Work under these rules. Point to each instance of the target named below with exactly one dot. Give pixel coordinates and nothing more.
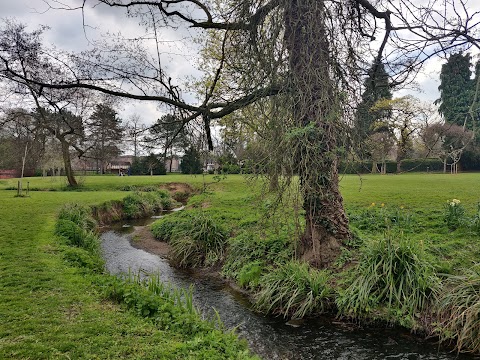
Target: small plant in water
(454, 214)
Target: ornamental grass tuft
(294, 289)
(458, 308)
(394, 276)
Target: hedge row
(407, 165)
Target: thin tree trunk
(68, 164)
(314, 109)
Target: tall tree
(456, 90)
(191, 163)
(57, 112)
(106, 135)
(303, 54)
(376, 87)
(170, 133)
(135, 131)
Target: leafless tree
(305, 55)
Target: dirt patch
(142, 238)
(180, 192)
(178, 187)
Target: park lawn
(49, 309)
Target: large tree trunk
(67, 163)
(315, 110)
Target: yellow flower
(373, 204)
(402, 207)
(382, 205)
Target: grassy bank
(399, 221)
(51, 309)
(407, 246)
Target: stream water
(270, 337)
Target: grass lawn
(49, 309)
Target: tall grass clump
(294, 289)
(77, 226)
(250, 253)
(81, 215)
(172, 309)
(196, 238)
(139, 204)
(458, 307)
(394, 281)
(166, 228)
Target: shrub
(77, 236)
(475, 222)
(458, 306)
(294, 289)
(424, 165)
(83, 259)
(395, 275)
(149, 297)
(164, 228)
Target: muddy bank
(142, 238)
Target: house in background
(173, 164)
(120, 165)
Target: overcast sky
(67, 32)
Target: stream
(270, 337)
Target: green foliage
(150, 297)
(456, 89)
(376, 87)
(364, 167)
(81, 215)
(148, 165)
(294, 289)
(196, 238)
(140, 204)
(164, 228)
(379, 217)
(83, 259)
(77, 236)
(454, 214)
(249, 247)
(172, 309)
(393, 275)
(424, 165)
(249, 275)
(191, 162)
(458, 306)
(229, 168)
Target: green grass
(50, 309)
(55, 310)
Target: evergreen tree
(456, 90)
(191, 162)
(376, 88)
(148, 165)
(106, 134)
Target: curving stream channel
(270, 337)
